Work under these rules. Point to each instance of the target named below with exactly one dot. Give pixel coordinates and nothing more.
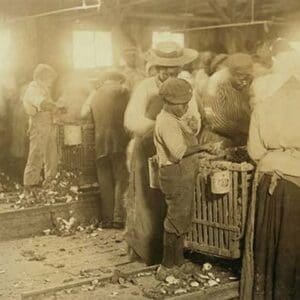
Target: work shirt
(108, 105)
(274, 137)
(171, 138)
(34, 95)
(226, 114)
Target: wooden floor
(65, 267)
(62, 259)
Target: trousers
(177, 182)
(42, 149)
(113, 180)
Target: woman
(271, 266)
(225, 103)
(145, 206)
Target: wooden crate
(80, 158)
(219, 219)
(23, 223)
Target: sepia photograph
(150, 149)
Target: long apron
(146, 208)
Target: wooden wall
(49, 40)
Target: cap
(176, 91)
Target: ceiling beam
(233, 25)
(173, 17)
(135, 3)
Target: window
(163, 36)
(92, 49)
(295, 45)
(5, 48)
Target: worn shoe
(163, 272)
(106, 224)
(29, 199)
(118, 225)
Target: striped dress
(226, 116)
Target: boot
(167, 266)
(29, 195)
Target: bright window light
(92, 49)
(5, 48)
(164, 36)
(295, 45)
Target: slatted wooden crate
(78, 158)
(219, 219)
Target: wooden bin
(219, 219)
(78, 158)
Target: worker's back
(108, 106)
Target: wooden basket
(219, 219)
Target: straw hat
(170, 54)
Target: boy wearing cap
(175, 143)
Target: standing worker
(145, 206)
(271, 261)
(42, 149)
(175, 146)
(225, 103)
(107, 105)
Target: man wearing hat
(177, 169)
(145, 206)
(225, 104)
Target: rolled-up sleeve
(194, 112)
(134, 119)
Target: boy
(40, 108)
(175, 143)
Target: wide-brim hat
(170, 54)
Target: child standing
(175, 143)
(40, 108)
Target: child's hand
(212, 147)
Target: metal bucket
(72, 135)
